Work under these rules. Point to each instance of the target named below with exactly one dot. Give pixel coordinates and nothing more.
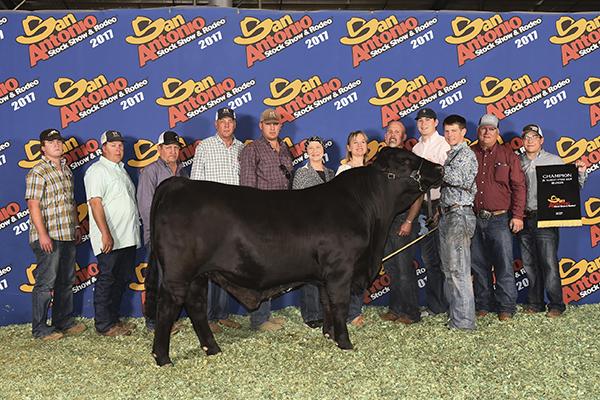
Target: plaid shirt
(53, 188)
(262, 167)
(216, 162)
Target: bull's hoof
(211, 351)
(345, 345)
(163, 361)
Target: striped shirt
(216, 162)
(263, 168)
(53, 188)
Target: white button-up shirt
(434, 149)
(110, 182)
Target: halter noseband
(415, 175)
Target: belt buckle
(485, 214)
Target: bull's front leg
(339, 297)
(167, 312)
(196, 305)
(327, 316)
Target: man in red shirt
(500, 207)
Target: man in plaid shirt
(216, 160)
(53, 235)
(266, 164)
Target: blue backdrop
(327, 73)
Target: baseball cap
(313, 139)
(426, 113)
(225, 113)
(50, 134)
(111, 136)
(532, 128)
(488, 120)
(270, 115)
(168, 137)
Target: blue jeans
(539, 247)
(404, 290)
(456, 229)
(430, 253)
(492, 245)
(115, 270)
(312, 310)
(260, 315)
(55, 272)
(218, 302)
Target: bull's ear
(381, 159)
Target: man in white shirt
(433, 147)
(114, 232)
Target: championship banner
(327, 73)
(558, 196)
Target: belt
(485, 214)
(446, 210)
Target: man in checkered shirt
(216, 160)
(53, 235)
(266, 164)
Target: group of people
(487, 195)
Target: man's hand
(107, 242)
(516, 225)
(45, 243)
(580, 166)
(405, 228)
(77, 235)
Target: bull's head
(400, 164)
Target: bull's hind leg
(339, 298)
(195, 304)
(167, 312)
(327, 317)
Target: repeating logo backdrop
(327, 73)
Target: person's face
(426, 126)
(52, 148)
(532, 142)
(315, 152)
(358, 145)
(454, 134)
(168, 152)
(225, 127)
(487, 135)
(395, 134)
(270, 130)
(113, 151)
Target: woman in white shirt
(356, 156)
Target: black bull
(256, 244)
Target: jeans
(115, 270)
(430, 253)
(492, 246)
(312, 310)
(539, 248)
(218, 302)
(404, 290)
(54, 279)
(261, 314)
(456, 229)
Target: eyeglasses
(531, 138)
(285, 171)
